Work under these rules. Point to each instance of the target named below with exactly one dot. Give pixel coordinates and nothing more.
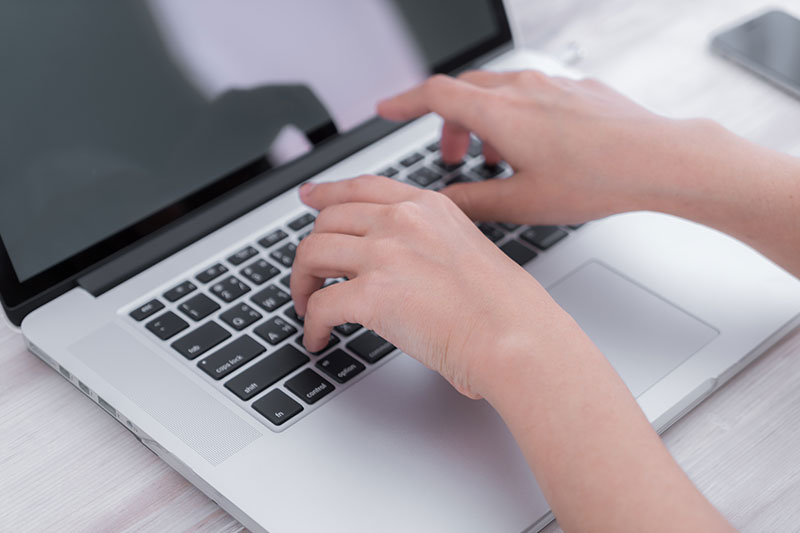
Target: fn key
(277, 407)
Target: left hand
(420, 274)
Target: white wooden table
(67, 466)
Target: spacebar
(266, 372)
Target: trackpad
(642, 335)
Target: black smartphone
(768, 45)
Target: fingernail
(306, 188)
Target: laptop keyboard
(233, 321)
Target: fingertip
(305, 191)
(313, 344)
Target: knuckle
(531, 77)
(369, 181)
(315, 303)
(369, 178)
(434, 199)
(405, 212)
(436, 83)
(307, 248)
(592, 83)
(323, 219)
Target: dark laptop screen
(113, 111)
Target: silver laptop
(149, 216)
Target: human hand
(420, 274)
(579, 149)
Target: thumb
(486, 201)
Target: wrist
(735, 186)
(509, 367)
(712, 176)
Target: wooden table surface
(67, 466)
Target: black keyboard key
(309, 386)
(303, 236)
(286, 279)
(273, 238)
(576, 226)
(240, 316)
(266, 372)
(201, 340)
(332, 341)
(389, 172)
(475, 147)
(543, 236)
(411, 159)
(518, 252)
(277, 407)
(370, 347)
(488, 171)
(508, 227)
(285, 254)
(148, 309)
(448, 167)
(260, 272)
(176, 293)
(340, 366)
(231, 357)
(493, 233)
(424, 176)
(275, 330)
(460, 178)
(229, 289)
(291, 313)
(271, 298)
(347, 329)
(198, 307)
(167, 325)
(242, 255)
(302, 221)
(211, 273)
(433, 147)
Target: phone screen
(769, 44)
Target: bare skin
(422, 275)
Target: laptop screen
(114, 112)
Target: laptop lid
(125, 120)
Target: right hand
(580, 150)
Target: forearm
(594, 454)
(749, 192)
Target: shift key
(266, 372)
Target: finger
(354, 218)
(454, 100)
(368, 189)
(491, 155)
(336, 304)
(486, 201)
(321, 256)
(488, 79)
(454, 143)
(455, 139)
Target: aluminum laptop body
(677, 308)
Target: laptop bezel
(21, 297)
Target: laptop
(149, 216)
